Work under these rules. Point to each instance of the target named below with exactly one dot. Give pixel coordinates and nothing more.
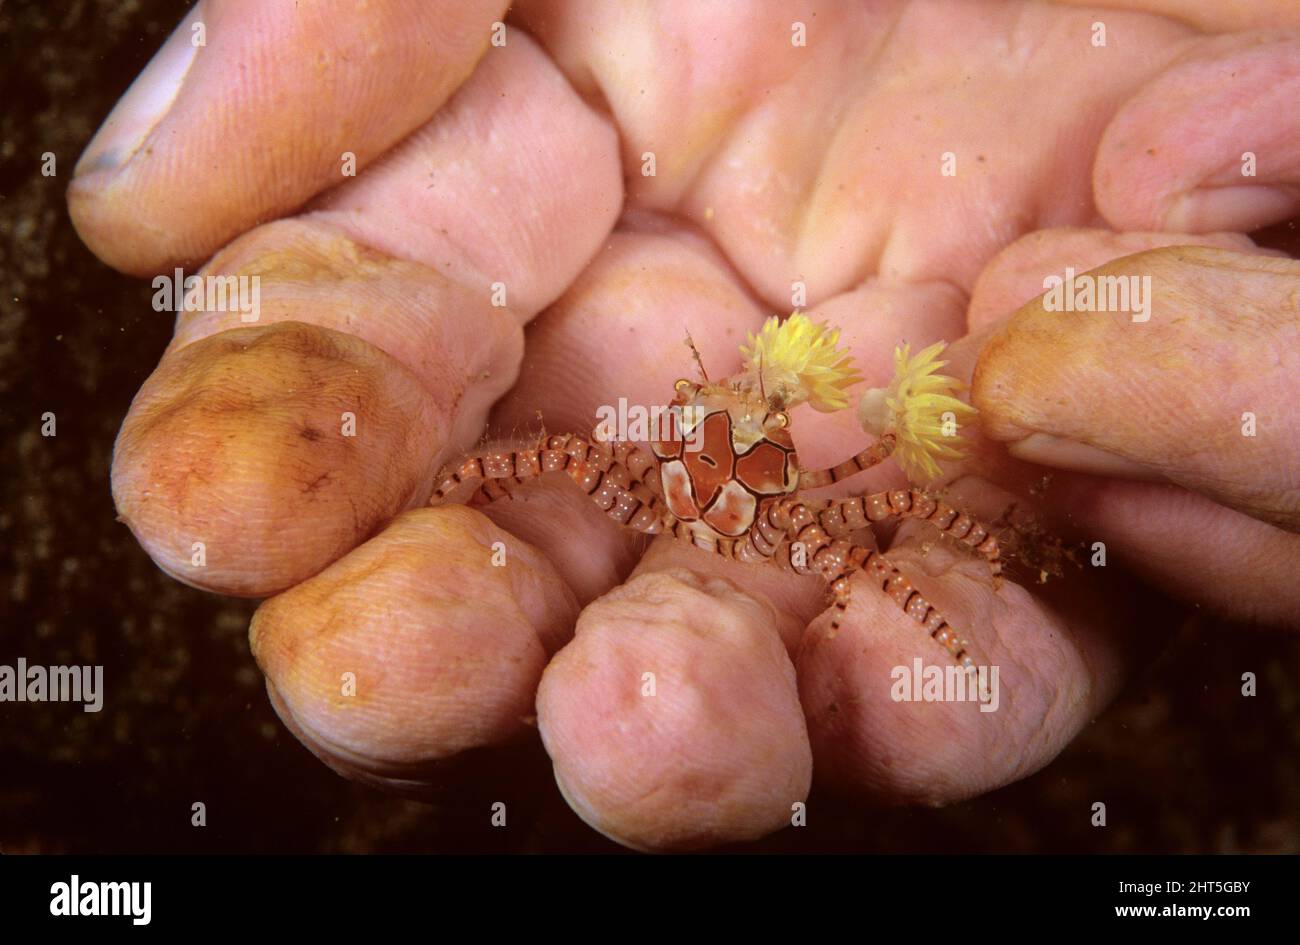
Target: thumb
(1192, 380)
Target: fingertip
(424, 643)
(1021, 271)
(253, 458)
(673, 719)
(249, 109)
(892, 717)
(1173, 378)
(1207, 144)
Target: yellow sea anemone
(797, 360)
(913, 408)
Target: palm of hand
(777, 169)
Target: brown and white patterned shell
(719, 462)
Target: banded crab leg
(623, 504)
(618, 478)
(493, 489)
(841, 516)
(563, 453)
(790, 532)
(873, 455)
(836, 559)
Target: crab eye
(782, 419)
(682, 384)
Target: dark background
(1182, 761)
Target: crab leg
(876, 453)
(893, 582)
(618, 479)
(627, 501)
(493, 489)
(567, 453)
(842, 516)
(810, 550)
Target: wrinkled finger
(251, 108)
(1188, 545)
(1191, 381)
(384, 663)
(1211, 143)
(278, 446)
(1023, 270)
(673, 718)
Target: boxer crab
(725, 476)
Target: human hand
(774, 164)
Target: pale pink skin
(774, 163)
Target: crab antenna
(699, 361)
(761, 391)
